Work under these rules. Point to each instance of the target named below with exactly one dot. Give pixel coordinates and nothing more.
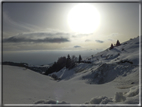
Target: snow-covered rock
(133, 91)
(119, 97)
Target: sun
(84, 18)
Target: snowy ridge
(115, 61)
(111, 78)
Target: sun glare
(84, 18)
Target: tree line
(62, 62)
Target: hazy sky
(31, 28)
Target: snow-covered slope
(104, 81)
(128, 50)
(107, 65)
(21, 85)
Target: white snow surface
(104, 81)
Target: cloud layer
(45, 40)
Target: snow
(51, 102)
(39, 66)
(119, 97)
(99, 100)
(24, 86)
(133, 91)
(104, 81)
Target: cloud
(80, 35)
(45, 40)
(114, 34)
(43, 34)
(77, 46)
(110, 39)
(74, 36)
(30, 29)
(99, 41)
(87, 40)
(39, 37)
(9, 22)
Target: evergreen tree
(74, 59)
(61, 63)
(56, 66)
(80, 58)
(118, 43)
(111, 47)
(69, 56)
(68, 62)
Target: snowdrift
(130, 97)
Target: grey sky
(44, 26)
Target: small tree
(80, 58)
(118, 43)
(69, 56)
(61, 63)
(74, 58)
(111, 47)
(72, 62)
(68, 62)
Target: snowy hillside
(108, 64)
(111, 78)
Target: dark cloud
(45, 40)
(43, 34)
(99, 41)
(77, 46)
